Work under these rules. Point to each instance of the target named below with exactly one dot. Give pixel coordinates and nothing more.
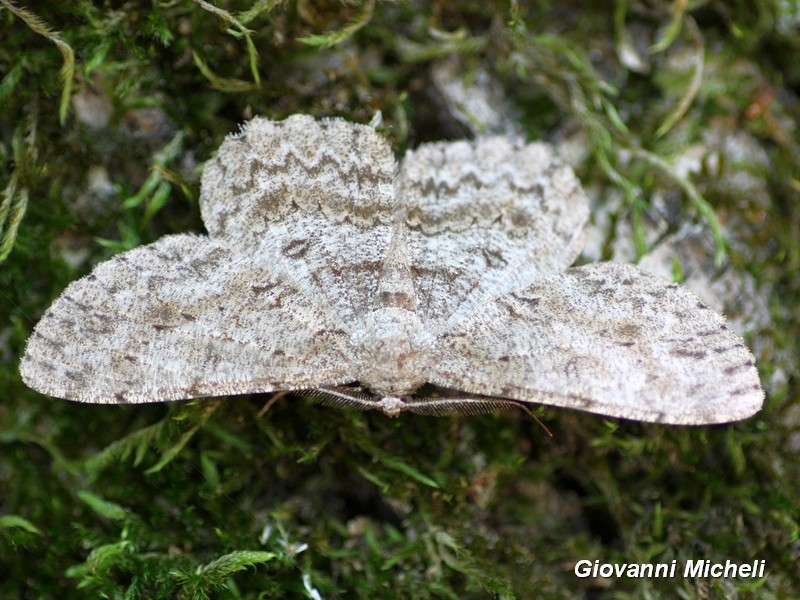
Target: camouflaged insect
(437, 285)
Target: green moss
(210, 499)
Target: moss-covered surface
(104, 127)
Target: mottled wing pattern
(315, 196)
(608, 339)
(182, 318)
(310, 232)
(486, 217)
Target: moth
(440, 284)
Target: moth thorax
(393, 349)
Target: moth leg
(268, 404)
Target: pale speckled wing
(484, 218)
(315, 196)
(182, 318)
(608, 339)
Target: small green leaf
(331, 38)
(215, 574)
(407, 469)
(102, 507)
(15, 521)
